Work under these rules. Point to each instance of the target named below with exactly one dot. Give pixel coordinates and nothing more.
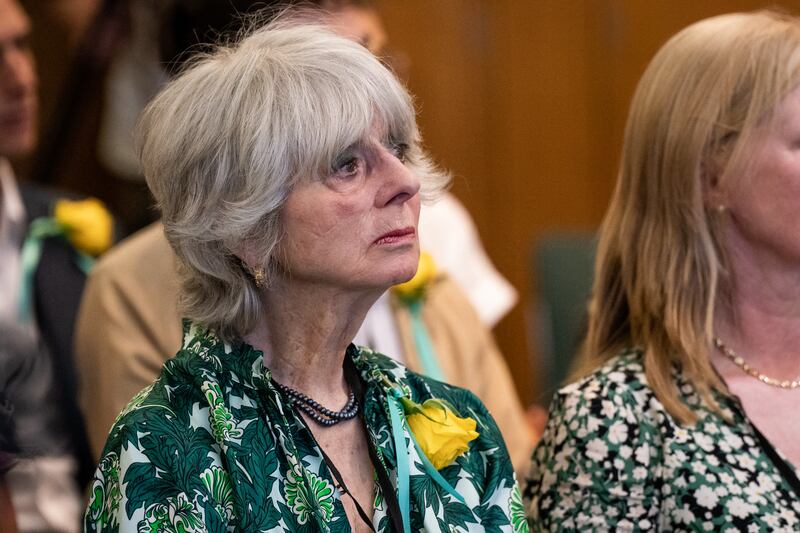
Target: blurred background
(524, 100)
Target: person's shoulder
(175, 385)
(164, 407)
(462, 399)
(422, 387)
(616, 391)
(204, 371)
(202, 357)
(39, 200)
(621, 375)
(602, 449)
(151, 403)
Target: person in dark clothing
(43, 265)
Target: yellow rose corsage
(88, 227)
(88, 224)
(442, 435)
(439, 435)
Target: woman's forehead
(377, 133)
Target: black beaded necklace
(317, 412)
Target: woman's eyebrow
(352, 147)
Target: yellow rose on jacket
(88, 223)
(441, 434)
(415, 287)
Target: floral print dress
(213, 446)
(613, 459)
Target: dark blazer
(31, 422)
(57, 287)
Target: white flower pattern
(624, 464)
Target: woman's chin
(395, 278)
(406, 273)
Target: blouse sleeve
(156, 472)
(598, 464)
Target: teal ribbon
(397, 416)
(437, 477)
(422, 342)
(39, 230)
(403, 472)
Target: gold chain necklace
(750, 371)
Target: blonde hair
(223, 144)
(660, 270)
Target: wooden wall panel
(542, 140)
(524, 100)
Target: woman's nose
(399, 183)
(18, 75)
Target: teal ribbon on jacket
(422, 342)
(398, 420)
(39, 230)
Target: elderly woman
(685, 418)
(289, 173)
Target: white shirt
(12, 232)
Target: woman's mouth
(398, 236)
(17, 119)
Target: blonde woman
(685, 415)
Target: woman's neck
(762, 321)
(304, 335)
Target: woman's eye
(346, 166)
(400, 150)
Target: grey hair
(223, 144)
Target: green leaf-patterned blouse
(613, 459)
(213, 446)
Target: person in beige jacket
(128, 325)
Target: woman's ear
(714, 195)
(245, 252)
(251, 263)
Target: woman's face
(357, 227)
(764, 204)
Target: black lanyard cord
(344, 490)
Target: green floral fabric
(213, 446)
(613, 459)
